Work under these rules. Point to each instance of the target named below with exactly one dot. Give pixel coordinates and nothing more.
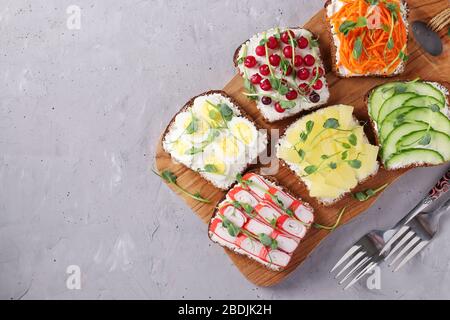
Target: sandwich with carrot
(369, 36)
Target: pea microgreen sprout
(273, 197)
(335, 225)
(369, 193)
(171, 178)
(234, 231)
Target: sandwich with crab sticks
(261, 220)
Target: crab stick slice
(267, 212)
(236, 216)
(218, 230)
(258, 186)
(300, 210)
(257, 249)
(216, 227)
(243, 244)
(243, 196)
(284, 198)
(291, 226)
(285, 243)
(287, 224)
(278, 258)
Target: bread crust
(328, 204)
(374, 128)
(189, 104)
(333, 50)
(285, 189)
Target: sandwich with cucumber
(411, 122)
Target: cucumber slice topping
(380, 94)
(390, 144)
(411, 123)
(392, 120)
(436, 120)
(426, 139)
(423, 101)
(409, 157)
(393, 103)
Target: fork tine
(348, 254)
(411, 254)
(408, 246)
(356, 258)
(393, 239)
(400, 244)
(366, 269)
(356, 268)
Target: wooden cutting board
(346, 91)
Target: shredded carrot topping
(366, 48)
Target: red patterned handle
(441, 186)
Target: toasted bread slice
(411, 123)
(213, 136)
(282, 84)
(329, 152)
(333, 6)
(260, 219)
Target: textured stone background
(81, 111)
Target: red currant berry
(287, 51)
(279, 108)
(288, 71)
(266, 100)
(272, 43)
(291, 95)
(304, 88)
(260, 51)
(302, 42)
(314, 97)
(298, 61)
(265, 85)
(309, 60)
(317, 70)
(318, 85)
(285, 36)
(264, 70)
(250, 61)
(303, 73)
(256, 78)
(274, 60)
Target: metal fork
(375, 246)
(421, 229)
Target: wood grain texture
(347, 91)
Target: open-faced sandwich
(261, 220)
(213, 136)
(282, 72)
(369, 36)
(411, 122)
(329, 151)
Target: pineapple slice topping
(329, 151)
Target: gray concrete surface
(81, 111)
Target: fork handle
(440, 188)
